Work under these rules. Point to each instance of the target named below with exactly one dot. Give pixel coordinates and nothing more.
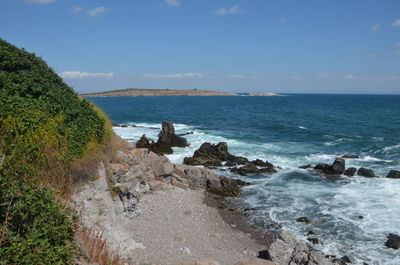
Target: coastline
(174, 212)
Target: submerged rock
(350, 156)
(303, 220)
(251, 169)
(393, 241)
(313, 240)
(306, 166)
(365, 172)
(394, 174)
(350, 172)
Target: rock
(161, 166)
(321, 167)
(287, 250)
(252, 170)
(340, 261)
(350, 156)
(168, 137)
(311, 232)
(121, 157)
(394, 174)
(201, 262)
(350, 172)
(209, 155)
(313, 240)
(360, 217)
(257, 261)
(303, 220)
(159, 149)
(365, 172)
(224, 186)
(306, 166)
(337, 168)
(393, 241)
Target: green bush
(44, 127)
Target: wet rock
(340, 261)
(253, 170)
(306, 166)
(303, 220)
(311, 232)
(360, 217)
(350, 172)
(213, 155)
(365, 172)
(394, 174)
(168, 137)
(393, 241)
(337, 168)
(313, 240)
(350, 156)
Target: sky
(283, 46)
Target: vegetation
(47, 134)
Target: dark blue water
(291, 131)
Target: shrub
(45, 127)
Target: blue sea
(291, 131)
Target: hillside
(47, 136)
(134, 92)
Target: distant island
(135, 92)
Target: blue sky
(298, 46)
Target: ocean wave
(393, 147)
(302, 127)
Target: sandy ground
(168, 227)
(176, 226)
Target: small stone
(303, 220)
(393, 241)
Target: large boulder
(210, 155)
(394, 174)
(393, 241)
(365, 172)
(251, 169)
(337, 168)
(168, 137)
(166, 140)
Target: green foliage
(44, 127)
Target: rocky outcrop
(394, 174)
(393, 241)
(287, 250)
(166, 140)
(365, 172)
(213, 155)
(337, 168)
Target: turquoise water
(291, 131)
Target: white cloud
(82, 75)
(283, 20)
(77, 9)
(325, 75)
(396, 23)
(376, 27)
(97, 11)
(240, 76)
(371, 55)
(349, 77)
(228, 10)
(40, 2)
(175, 3)
(172, 76)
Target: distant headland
(135, 92)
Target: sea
(351, 215)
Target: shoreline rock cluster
(211, 155)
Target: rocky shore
(154, 212)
